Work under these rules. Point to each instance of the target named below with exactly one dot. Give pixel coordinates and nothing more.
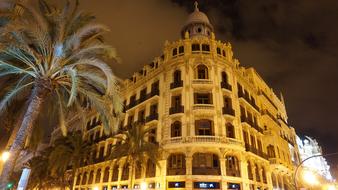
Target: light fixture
(96, 188)
(310, 178)
(5, 155)
(143, 186)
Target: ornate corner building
(219, 124)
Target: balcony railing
(203, 139)
(203, 106)
(228, 111)
(152, 117)
(225, 85)
(202, 81)
(247, 98)
(179, 109)
(266, 112)
(176, 84)
(205, 171)
(176, 171)
(142, 99)
(256, 151)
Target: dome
(197, 24)
(197, 17)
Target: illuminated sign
(176, 184)
(234, 186)
(206, 185)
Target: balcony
(176, 171)
(202, 84)
(203, 139)
(203, 107)
(142, 99)
(225, 85)
(152, 117)
(205, 171)
(270, 116)
(248, 100)
(176, 84)
(254, 150)
(228, 111)
(174, 110)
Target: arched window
(91, 177)
(204, 127)
(224, 77)
(78, 179)
(250, 174)
(115, 173)
(151, 169)
(264, 175)
(271, 151)
(232, 166)
(274, 181)
(202, 72)
(205, 164)
(106, 174)
(176, 129)
(84, 179)
(138, 170)
(230, 130)
(125, 172)
(98, 176)
(258, 176)
(177, 76)
(176, 164)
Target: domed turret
(197, 24)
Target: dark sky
(292, 44)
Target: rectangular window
(203, 98)
(143, 94)
(181, 50)
(219, 51)
(227, 103)
(141, 115)
(174, 51)
(195, 47)
(152, 136)
(176, 101)
(253, 141)
(153, 109)
(205, 47)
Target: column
(244, 173)
(188, 183)
(163, 173)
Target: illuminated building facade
(220, 124)
(309, 147)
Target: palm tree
(56, 55)
(67, 152)
(134, 148)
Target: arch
(258, 176)
(249, 167)
(232, 166)
(151, 169)
(91, 177)
(264, 175)
(125, 172)
(84, 179)
(98, 176)
(176, 129)
(78, 179)
(106, 174)
(115, 175)
(202, 72)
(176, 164)
(205, 164)
(204, 127)
(230, 131)
(224, 77)
(177, 76)
(138, 170)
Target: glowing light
(5, 155)
(310, 178)
(331, 187)
(96, 188)
(143, 186)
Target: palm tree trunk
(33, 109)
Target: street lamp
(300, 164)
(96, 188)
(310, 178)
(4, 156)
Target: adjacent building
(220, 124)
(309, 147)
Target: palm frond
(10, 95)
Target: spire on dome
(196, 6)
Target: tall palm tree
(67, 152)
(134, 148)
(56, 55)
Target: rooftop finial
(196, 6)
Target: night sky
(293, 45)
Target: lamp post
(301, 163)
